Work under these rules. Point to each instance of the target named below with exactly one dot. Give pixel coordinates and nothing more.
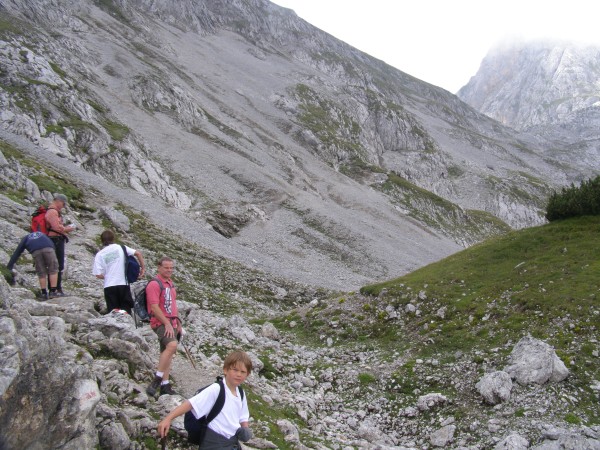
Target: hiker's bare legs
(166, 358)
(53, 280)
(43, 283)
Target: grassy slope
(543, 281)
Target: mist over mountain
(548, 89)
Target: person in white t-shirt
(109, 265)
(230, 426)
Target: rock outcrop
(546, 88)
(534, 361)
(48, 377)
(495, 387)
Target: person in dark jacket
(41, 248)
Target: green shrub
(575, 201)
(366, 378)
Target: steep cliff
(549, 89)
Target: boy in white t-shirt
(231, 425)
(109, 265)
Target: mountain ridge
(274, 134)
(547, 88)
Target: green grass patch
(508, 286)
(116, 130)
(268, 415)
(55, 184)
(61, 73)
(366, 378)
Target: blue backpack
(196, 428)
(132, 267)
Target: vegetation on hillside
(574, 201)
(541, 281)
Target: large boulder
(47, 393)
(534, 361)
(495, 387)
(117, 218)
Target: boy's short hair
(237, 357)
(107, 237)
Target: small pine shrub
(575, 201)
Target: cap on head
(61, 197)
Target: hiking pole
(163, 443)
(187, 352)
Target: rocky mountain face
(549, 89)
(250, 122)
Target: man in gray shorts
(41, 248)
(162, 306)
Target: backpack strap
(219, 403)
(160, 285)
(126, 262)
(63, 235)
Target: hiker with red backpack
(57, 232)
(46, 265)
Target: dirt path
(187, 379)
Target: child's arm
(165, 424)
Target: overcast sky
(443, 41)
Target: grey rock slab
(495, 387)
(534, 361)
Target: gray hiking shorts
(45, 262)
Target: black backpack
(196, 428)
(140, 306)
(132, 267)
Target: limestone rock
(57, 396)
(495, 387)
(428, 401)
(569, 441)
(442, 437)
(513, 442)
(113, 436)
(534, 361)
(117, 218)
(289, 430)
(269, 331)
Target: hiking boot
(42, 296)
(153, 387)
(167, 389)
(57, 293)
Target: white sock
(160, 374)
(164, 382)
